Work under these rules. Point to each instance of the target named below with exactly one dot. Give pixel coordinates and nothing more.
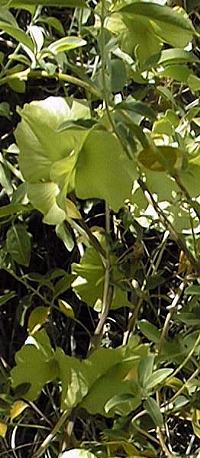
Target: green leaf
(171, 26)
(40, 140)
(17, 408)
(190, 318)
(77, 453)
(5, 109)
(157, 378)
(18, 244)
(64, 234)
(193, 290)
(149, 330)
(12, 209)
(194, 83)
(66, 308)
(145, 370)
(103, 152)
(128, 399)
(89, 281)
(176, 56)
(190, 177)
(64, 3)
(37, 319)
(177, 72)
(17, 85)
(43, 198)
(3, 429)
(163, 126)
(136, 36)
(17, 33)
(66, 44)
(118, 75)
(7, 16)
(73, 377)
(53, 22)
(153, 410)
(6, 297)
(120, 366)
(35, 365)
(136, 106)
(162, 158)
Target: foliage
(100, 214)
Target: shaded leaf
(153, 410)
(18, 244)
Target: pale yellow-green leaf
(37, 318)
(17, 408)
(3, 429)
(66, 308)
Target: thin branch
(28, 74)
(163, 218)
(45, 444)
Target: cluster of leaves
(121, 134)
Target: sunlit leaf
(17, 408)
(35, 365)
(66, 44)
(37, 318)
(157, 377)
(3, 429)
(77, 453)
(115, 172)
(66, 308)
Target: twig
(163, 218)
(173, 308)
(45, 444)
(107, 291)
(28, 74)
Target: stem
(163, 218)
(187, 195)
(103, 78)
(185, 361)
(107, 291)
(25, 74)
(173, 308)
(153, 267)
(23, 282)
(45, 444)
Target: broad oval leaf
(162, 158)
(103, 171)
(168, 23)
